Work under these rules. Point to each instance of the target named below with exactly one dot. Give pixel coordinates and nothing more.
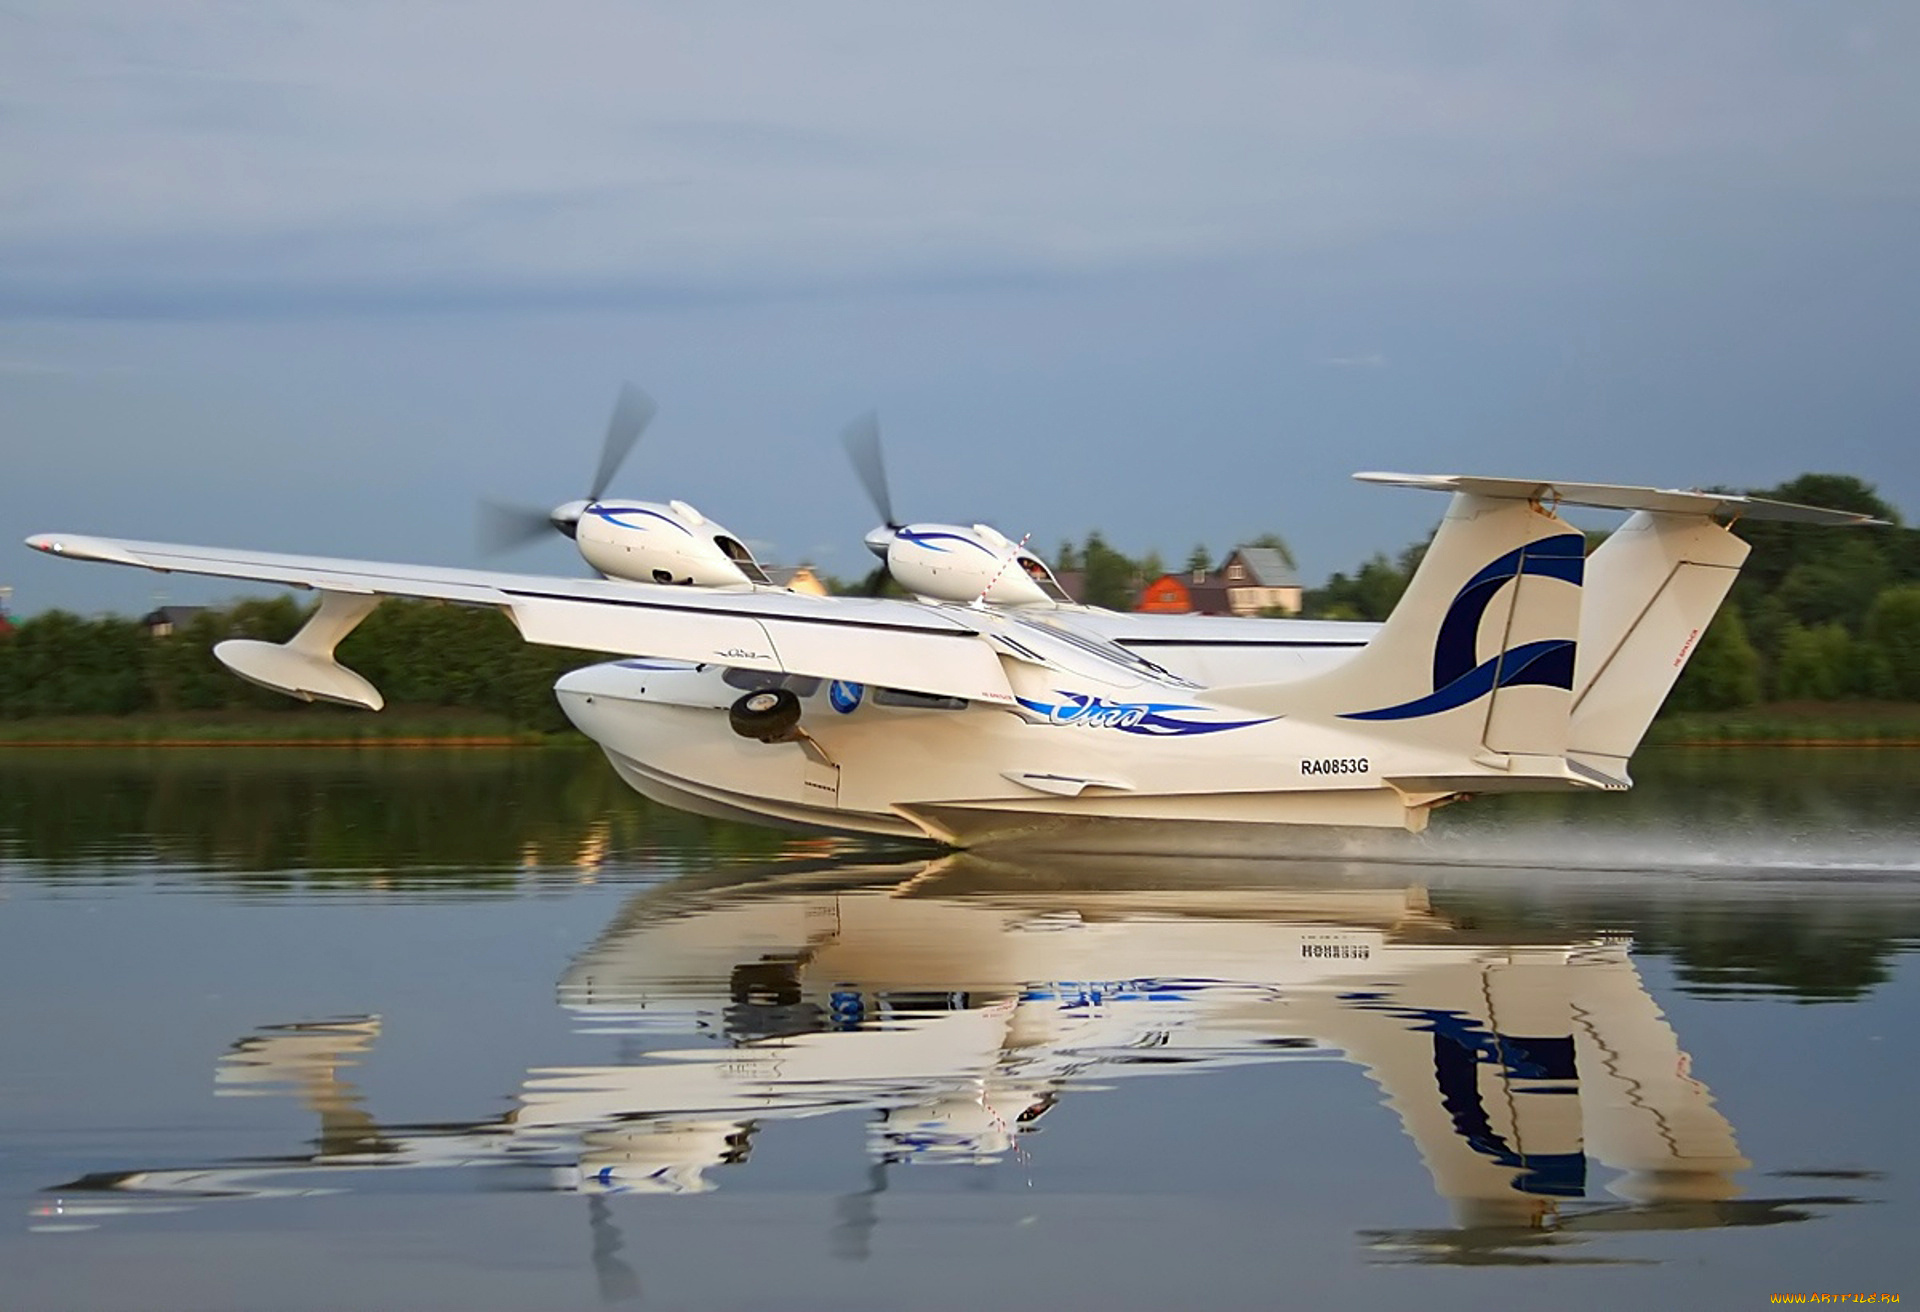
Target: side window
(917, 700)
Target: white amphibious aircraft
(992, 709)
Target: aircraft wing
(889, 643)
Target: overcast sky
(318, 277)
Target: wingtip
(82, 548)
(1433, 482)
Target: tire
(769, 715)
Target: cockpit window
(742, 558)
(1041, 575)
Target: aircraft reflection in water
(960, 1005)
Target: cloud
(194, 153)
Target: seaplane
(988, 708)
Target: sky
(320, 277)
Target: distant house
(1073, 582)
(1170, 594)
(799, 578)
(1259, 579)
(1250, 581)
(162, 621)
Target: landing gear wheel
(769, 716)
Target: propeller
(632, 412)
(862, 440)
(503, 527)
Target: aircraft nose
(605, 680)
(879, 540)
(566, 517)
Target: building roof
(1266, 566)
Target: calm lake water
(409, 1029)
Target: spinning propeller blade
(502, 527)
(631, 415)
(862, 440)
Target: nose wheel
(771, 715)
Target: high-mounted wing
(1619, 496)
(889, 643)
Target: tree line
(418, 653)
(1818, 614)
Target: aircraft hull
(972, 776)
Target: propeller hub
(566, 517)
(880, 539)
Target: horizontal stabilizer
(1617, 496)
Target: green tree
(60, 664)
(1893, 627)
(1815, 664)
(1111, 578)
(1199, 560)
(1819, 574)
(1369, 595)
(1724, 671)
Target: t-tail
(1515, 659)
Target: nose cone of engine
(879, 540)
(566, 518)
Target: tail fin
(1525, 679)
(1479, 655)
(1652, 587)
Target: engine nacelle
(672, 543)
(949, 562)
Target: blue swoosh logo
(1457, 677)
(612, 515)
(1149, 719)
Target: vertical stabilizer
(1479, 655)
(1651, 590)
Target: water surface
(327, 1028)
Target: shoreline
(501, 740)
